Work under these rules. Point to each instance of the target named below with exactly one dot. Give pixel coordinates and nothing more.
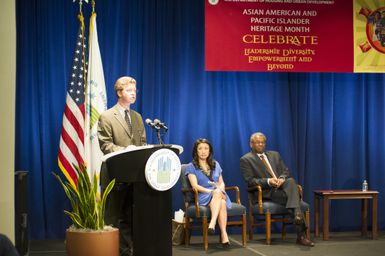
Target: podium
(152, 209)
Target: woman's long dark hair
(210, 159)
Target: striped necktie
(128, 120)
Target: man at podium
(118, 128)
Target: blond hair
(123, 81)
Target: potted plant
(88, 235)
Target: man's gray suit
(255, 172)
(113, 131)
(114, 135)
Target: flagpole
(80, 7)
(81, 4)
(93, 6)
(81, 19)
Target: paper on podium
(131, 148)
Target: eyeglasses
(132, 90)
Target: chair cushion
(275, 208)
(204, 211)
(236, 210)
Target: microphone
(152, 124)
(160, 124)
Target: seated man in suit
(267, 169)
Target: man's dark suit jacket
(255, 172)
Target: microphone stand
(157, 126)
(159, 137)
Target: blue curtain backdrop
(328, 127)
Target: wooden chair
(197, 216)
(264, 212)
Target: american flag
(71, 148)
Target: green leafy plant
(87, 207)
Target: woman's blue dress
(203, 180)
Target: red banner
(279, 35)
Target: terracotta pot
(95, 243)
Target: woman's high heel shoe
(211, 231)
(226, 245)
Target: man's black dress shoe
(302, 240)
(226, 245)
(211, 231)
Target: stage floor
(339, 244)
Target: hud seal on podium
(162, 169)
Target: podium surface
(152, 209)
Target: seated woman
(205, 175)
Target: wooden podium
(152, 209)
